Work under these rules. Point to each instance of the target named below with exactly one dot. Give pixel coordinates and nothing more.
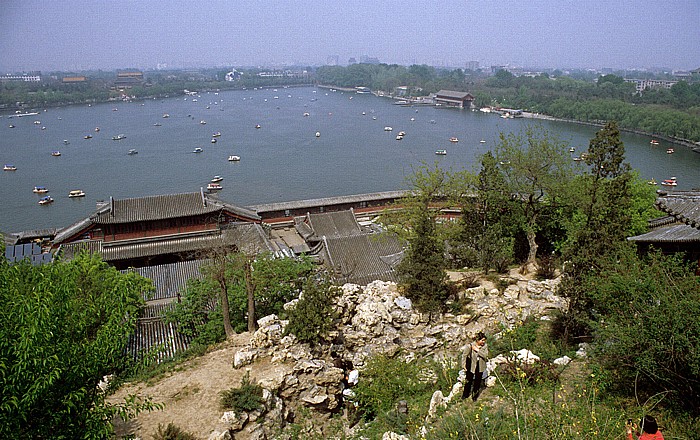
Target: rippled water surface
(283, 160)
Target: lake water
(283, 160)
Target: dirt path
(191, 393)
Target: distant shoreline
(694, 146)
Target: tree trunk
(250, 290)
(224, 308)
(532, 255)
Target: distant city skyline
(75, 35)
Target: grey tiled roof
(248, 237)
(361, 259)
(327, 201)
(669, 234)
(169, 279)
(162, 207)
(683, 205)
(154, 208)
(330, 224)
(452, 94)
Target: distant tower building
(233, 75)
(332, 60)
(352, 60)
(472, 65)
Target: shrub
(172, 432)
(546, 267)
(314, 314)
(247, 397)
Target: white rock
(216, 435)
(436, 402)
(394, 436)
(403, 303)
(490, 381)
(525, 356)
(243, 357)
(234, 420)
(582, 351)
(564, 360)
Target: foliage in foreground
(313, 317)
(247, 397)
(172, 432)
(63, 326)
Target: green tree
(63, 326)
(646, 325)
(313, 317)
(422, 270)
(535, 167)
(601, 222)
(272, 281)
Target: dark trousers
(472, 385)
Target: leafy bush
(313, 316)
(172, 432)
(546, 267)
(247, 397)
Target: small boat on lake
(165, 115)
(40, 190)
(257, 126)
(87, 136)
(45, 200)
(76, 193)
(654, 142)
(217, 134)
(670, 182)
(132, 152)
(318, 134)
(56, 153)
(482, 141)
(213, 140)
(9, 167)
(441, 152)
(399, 137)
(157, 124)
(572, 149)
(65, 142)
(97, 129)
(234, 158)
(670, 151)
(203, 122)
(388, 129)
(214, 187)
(216, 179)
(454, 139)
(197, 150)
(118, 137)
(652, 182)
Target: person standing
(650, 430)
(475, 358)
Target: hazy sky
(92, 34)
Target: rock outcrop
(377, 319)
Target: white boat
(118, 137)
(670, 182)
(318, 134)
(213, 140)
(257, 126)
(399, 137)
(454, 139)
(165, 115)
(307, 114)
(216, 179)
(87, 136)
(214, 187)
(388, 129)
(40, 190)
(234, 158)
(441, 152)
(217, 134)
(203, 122)
(157, 124)
(402, 133)
(670, 151)
(9, 167)
(132, 152)
(76, 193)
(482, 141)
(45, 200)
(572, 149)
(65, 142)
(197, 150)
(56, 153)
